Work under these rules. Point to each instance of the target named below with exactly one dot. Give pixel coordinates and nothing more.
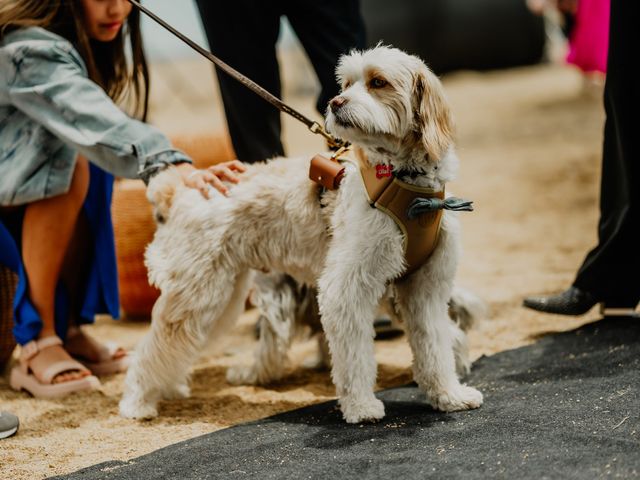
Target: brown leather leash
(312, 125)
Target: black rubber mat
(566, 407)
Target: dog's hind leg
(460, 350)
(422, 300)
(235, 305)
(181, 325)
(277, 297)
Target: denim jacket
(50, 111)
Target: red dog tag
(383, 171)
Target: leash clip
(334, 142)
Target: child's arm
(49, 83)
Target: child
(63, 64)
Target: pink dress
(590, 36)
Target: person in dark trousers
(243, 33)
(610, 274)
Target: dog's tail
(466, 308)
(161, 191)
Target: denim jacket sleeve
(50, 84)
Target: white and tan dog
(393, 108)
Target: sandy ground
(529, 141)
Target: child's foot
(100, 359)
(47, 370)
(81, 345)
(40, 363)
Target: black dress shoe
(385, 328)
(570, 302)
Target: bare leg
(48, 227)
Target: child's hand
(201, 179)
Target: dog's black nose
(336, 103)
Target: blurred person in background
(589, 38)
(610, 273)
(585, 24)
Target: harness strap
(395, 197)
(420, 232)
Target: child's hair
(106, 61)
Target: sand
(529, 140)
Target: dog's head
(390, 101)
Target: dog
(393, 108)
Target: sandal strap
(62, 366)
(31, 349)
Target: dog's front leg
(359, 265)
(347, 312)
(423, 302)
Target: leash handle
(312, 125)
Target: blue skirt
(101, 293)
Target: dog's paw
(354, 411)
(242, 375)
(177, 392)
(460, 397)
(137, 409)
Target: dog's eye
(346, 84)
(377, 83)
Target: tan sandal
(106, 364)
(22, 378)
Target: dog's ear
(432, 116)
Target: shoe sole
(619, 312)
(27, 382)
(8, 433)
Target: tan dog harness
(416, 210)
(394, 197)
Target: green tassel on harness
(425, 205)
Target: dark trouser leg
(326, 30)
(243, 33)
(611, 271)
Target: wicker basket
(134, 226)
(205, 150)
(8, 283)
